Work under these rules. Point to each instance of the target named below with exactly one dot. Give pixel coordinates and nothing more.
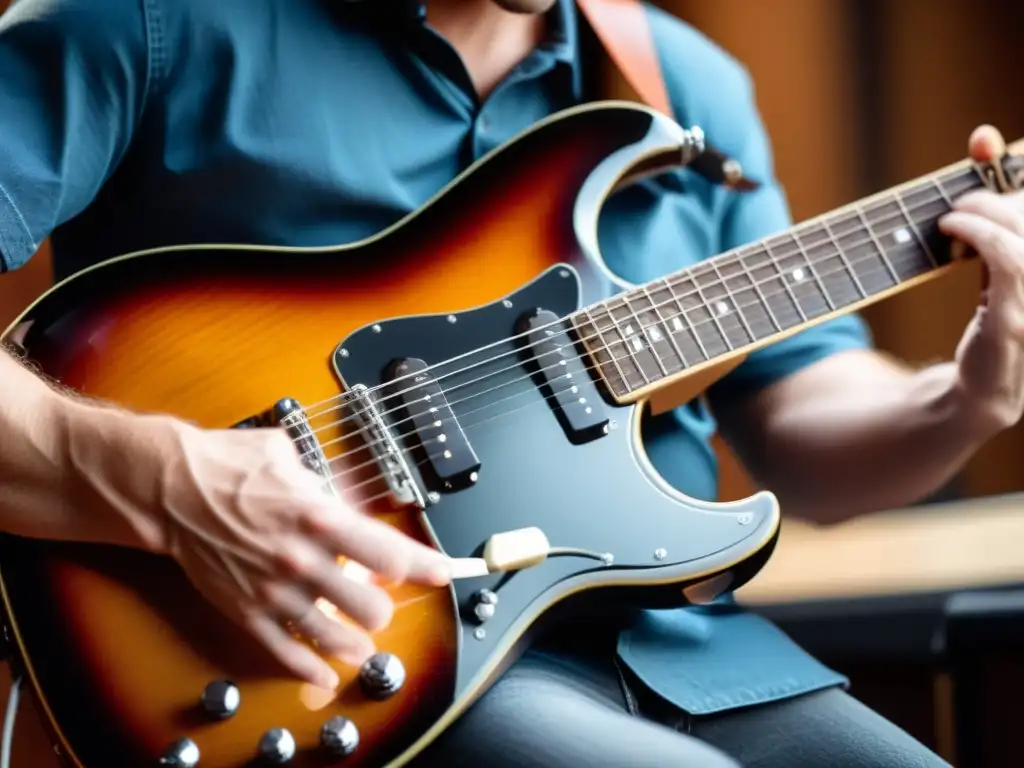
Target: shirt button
(484, 123)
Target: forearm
(884, 438)
(49, 440)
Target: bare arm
(856, 433)
(236, 508)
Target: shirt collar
(563, 41)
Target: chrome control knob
(339, 736)
(484, 604)
(382, 675)
(184, 753)
(277, 747)
(221, 699)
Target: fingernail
(330, 680)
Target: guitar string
(774, 260)
(466, 427)
(734, 257)
(873, 240)
(741, 326)
(691, 325)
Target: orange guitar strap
(632, 72)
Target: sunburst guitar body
(453, 377)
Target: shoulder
(706, 84)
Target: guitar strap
(631, 71)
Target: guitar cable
(10, 714)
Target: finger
(364, 602)
(332, 635)
(1002, 250)
(297, 657)
(381, 548)
(1005, 210)
(986, 144)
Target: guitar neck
(762, 292)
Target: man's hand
(990, 356)
(249, 524)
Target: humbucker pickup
(550, 354)
(450, 457)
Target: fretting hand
(990, 356)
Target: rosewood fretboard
(758, 292)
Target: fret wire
(607, 349)
(625, 345)
(782, 279)
(735, 304)
(711, 311)
(878, 244)
(937, 183)
(968, 174)
(664, 324)
(913, 226)
(757, 287)
(812, 268)
(641, 331)
(846, 262)
(686, 319)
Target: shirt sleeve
(74, 76)
(751, 216)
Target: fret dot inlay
(763, 289)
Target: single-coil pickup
(449, 456)
(548, 351)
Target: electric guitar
(466, 377)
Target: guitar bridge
(385, 449)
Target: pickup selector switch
(382, 675)
(339, 736)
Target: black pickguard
(597, 496)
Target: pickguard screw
(344, 353)
(452, 318)
(433, 497)
(376, 329)
(660, 553)
(506, 304)
(608, 558)
(614, 425)
(745, 518)
(563, 273)
(479, 633)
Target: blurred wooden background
(858, 95)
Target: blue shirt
(133, 124)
